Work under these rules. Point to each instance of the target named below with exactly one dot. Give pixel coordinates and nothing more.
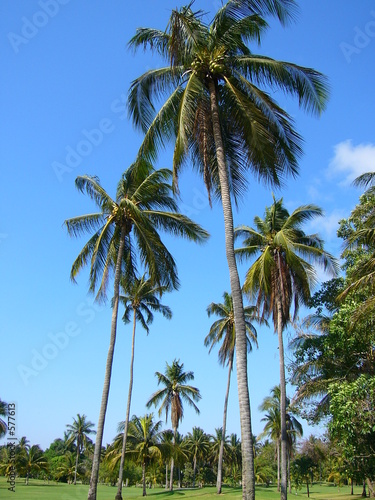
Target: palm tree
(31, 461)
(122, 227)
(144, 437)
(218, 108)
(272, 428)
(3, 413)
(141, 298)
(171, 397)
(198, 443)
(282, 273)
(223, 330)
(79, 432)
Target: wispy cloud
(351, 161)
(328, 225)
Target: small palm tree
(218, 108)
(122, 227)
(141, 299)
(272, 428)
(144, 437)
(31, 461)
(170, 398)
(223, 331)
(79, 433)
(282, 274)
(198, 444)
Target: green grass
(37, 490)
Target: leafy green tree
(122, 228)
(282, 274)
(223, 331)
(141, 298)
(352, 406)
(79, 433)
(218, 110)
(173, 394)
(302, 467)
(198, 444)
(144, 439)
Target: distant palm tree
(272, 428)
(122, 227)
(140, 297)
(223, 331)
(198, 444)
(170, 398)
(214, 99)
(282, 274)
(144, 437)
(78, 432)
(31, 461)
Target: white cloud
(328, 225)
(351, 161)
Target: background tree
(123, 228)
(141, 298)
(31, 462)
(79, 433)
(223, 331)
(282, 274)
(173, 394)
(217, 110)
(198, 444)
(144, 439)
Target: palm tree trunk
(278, 463)
(221, 452)
(144, 479)
(76, 467)
(194, 469)
(248, 480)
(124, 437)
(284, 443)
(166, 476)
(108, 372)
(172, 460)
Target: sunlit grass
(39, 490)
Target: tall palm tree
(141, 299)
(272, 428)
(122, 228)
(144, 437)
(218, 108)
(223, 331)
(282, 274)
(198, 443)
(171, 397)
(79, 432)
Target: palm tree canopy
(257, 134)
(222, 330)
(286, 258)
(175, 392)
(141, 297)
(144, 204)
(79, 431)
(144, 436)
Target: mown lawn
(37, 490)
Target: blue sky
(65, 73)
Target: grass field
(37, 490)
